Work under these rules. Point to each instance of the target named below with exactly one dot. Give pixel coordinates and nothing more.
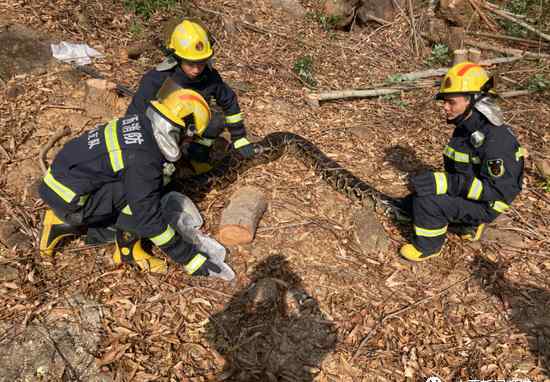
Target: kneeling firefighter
(483, 166)
(115, 175)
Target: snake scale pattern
(272, 147)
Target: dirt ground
(309, 303)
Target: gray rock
(22, 50)
(503, 236)
(57, 348)
(8, 273)
(369, 232)
(292, 7)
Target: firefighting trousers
(432, 215)
(103, 208)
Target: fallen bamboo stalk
(497, 11)
(512, 51)
(314, 100)
(515, 93)
(509, 38)
(44, 150)
(441, 71)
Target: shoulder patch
(495, 167)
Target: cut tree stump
(240, 218)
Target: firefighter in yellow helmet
(188, 64)
(113, 177)
(483, 166)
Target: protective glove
(430, 183)
(210, 266)
(403, 209)
(244, 147)
(198, 153)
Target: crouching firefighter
(483, 166)
(115, 176)
(189, 64)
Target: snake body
(272, 147)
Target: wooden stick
(484, 17)
(511, 51)
(377, 19)
(413, 29)
(509, 38)
(44, 150)
(507, 16)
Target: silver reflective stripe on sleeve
(440, 183)
(61, 190)
(164, 237)
(455, 155)
(195, 263)
(113, 147)
(234, 118)
(499, 206)
(476, 188)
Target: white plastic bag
(80, 54)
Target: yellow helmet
(184, 107)
(465, 78)
(190, 41)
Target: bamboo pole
(497, 11)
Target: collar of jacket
(470, 123)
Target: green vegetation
(146, 8)
(538, 83)
(136, 29)
(440, 55)
(395, 99)
(328, 23)
(395, 78)
(303, 67)
(518, 7)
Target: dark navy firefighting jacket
(123, 150)
(209, 84)
(484, 162)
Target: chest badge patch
(495, 167)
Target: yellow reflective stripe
(440, 183)
(234, 118)
(63, 191)
(164, 237)
(240, 143)
(455, 155)
(520, 153)
(476, 188)
(111, 139)
(499, 206)
(430, 232)
(195, 263)
(126, 210)
(82, 200)
(476, 160)
(204, 141)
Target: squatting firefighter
(189, 65)
(114, 176)
(483, 166)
